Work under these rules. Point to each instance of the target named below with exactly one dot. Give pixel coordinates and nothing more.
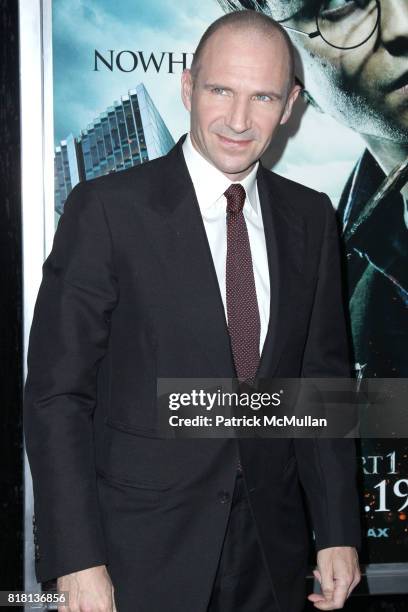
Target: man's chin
(236, 174)
(235, 167)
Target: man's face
(238, 98)
(367, 87)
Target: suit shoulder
(314, 206)
(127, 178)
(300, 194)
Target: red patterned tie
(242, 305)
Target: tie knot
(235, 195)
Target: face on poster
(117, 103)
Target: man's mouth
(401, 83)
(233, 142)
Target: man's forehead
(283, 9)
(225, 38)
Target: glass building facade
(128, 133)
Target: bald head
(254, 24)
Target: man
(356, 71)
(193, 265)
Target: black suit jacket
(129, 293)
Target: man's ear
(309, 99)
(296, 89)
(186, 88)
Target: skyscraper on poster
(128, 133)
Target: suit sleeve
(327, 466)
(68, 338)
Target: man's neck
(389, 154)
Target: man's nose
(394, 26)
(238, 116)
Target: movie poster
(117, 68)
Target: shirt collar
(209, 183)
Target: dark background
(11, 357)
(11, 331)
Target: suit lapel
(201, 303)
(285, 241)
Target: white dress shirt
(210, 184)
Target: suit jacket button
(223, 497)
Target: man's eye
(219, 90)
(336, 9)
(263, 97)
